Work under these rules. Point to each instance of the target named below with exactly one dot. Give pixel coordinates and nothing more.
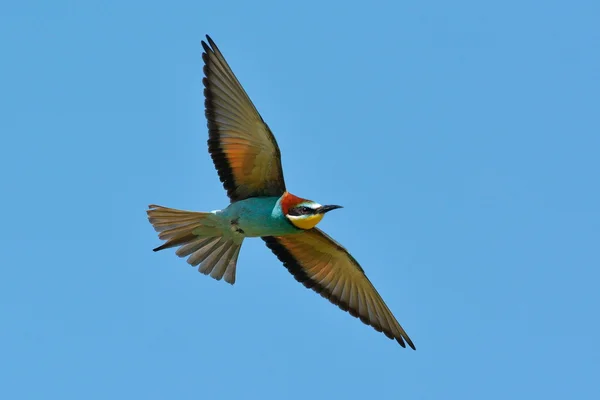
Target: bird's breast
(258, 216)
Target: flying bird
(248, 161)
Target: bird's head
(303, 213)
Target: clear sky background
(462, 137)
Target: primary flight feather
(248, 161)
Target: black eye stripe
(302, 210)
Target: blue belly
(259, 216)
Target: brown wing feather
(320, 263)
(240, 143)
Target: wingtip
(210, 41)
(403, 340)
(409, 342)
(159, 248)
(205, 46)
(210, 46)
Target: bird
(248, 161)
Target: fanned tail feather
(199, 237)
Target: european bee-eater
(248, 161)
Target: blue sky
(461, 137)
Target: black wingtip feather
(205, 46)
(212, 42)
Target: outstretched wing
(240, 143)
(320, 263)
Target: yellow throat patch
(305, 221)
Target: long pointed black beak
(324, 209)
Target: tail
(200, 236)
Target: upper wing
(240, 143)
(322, 264)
